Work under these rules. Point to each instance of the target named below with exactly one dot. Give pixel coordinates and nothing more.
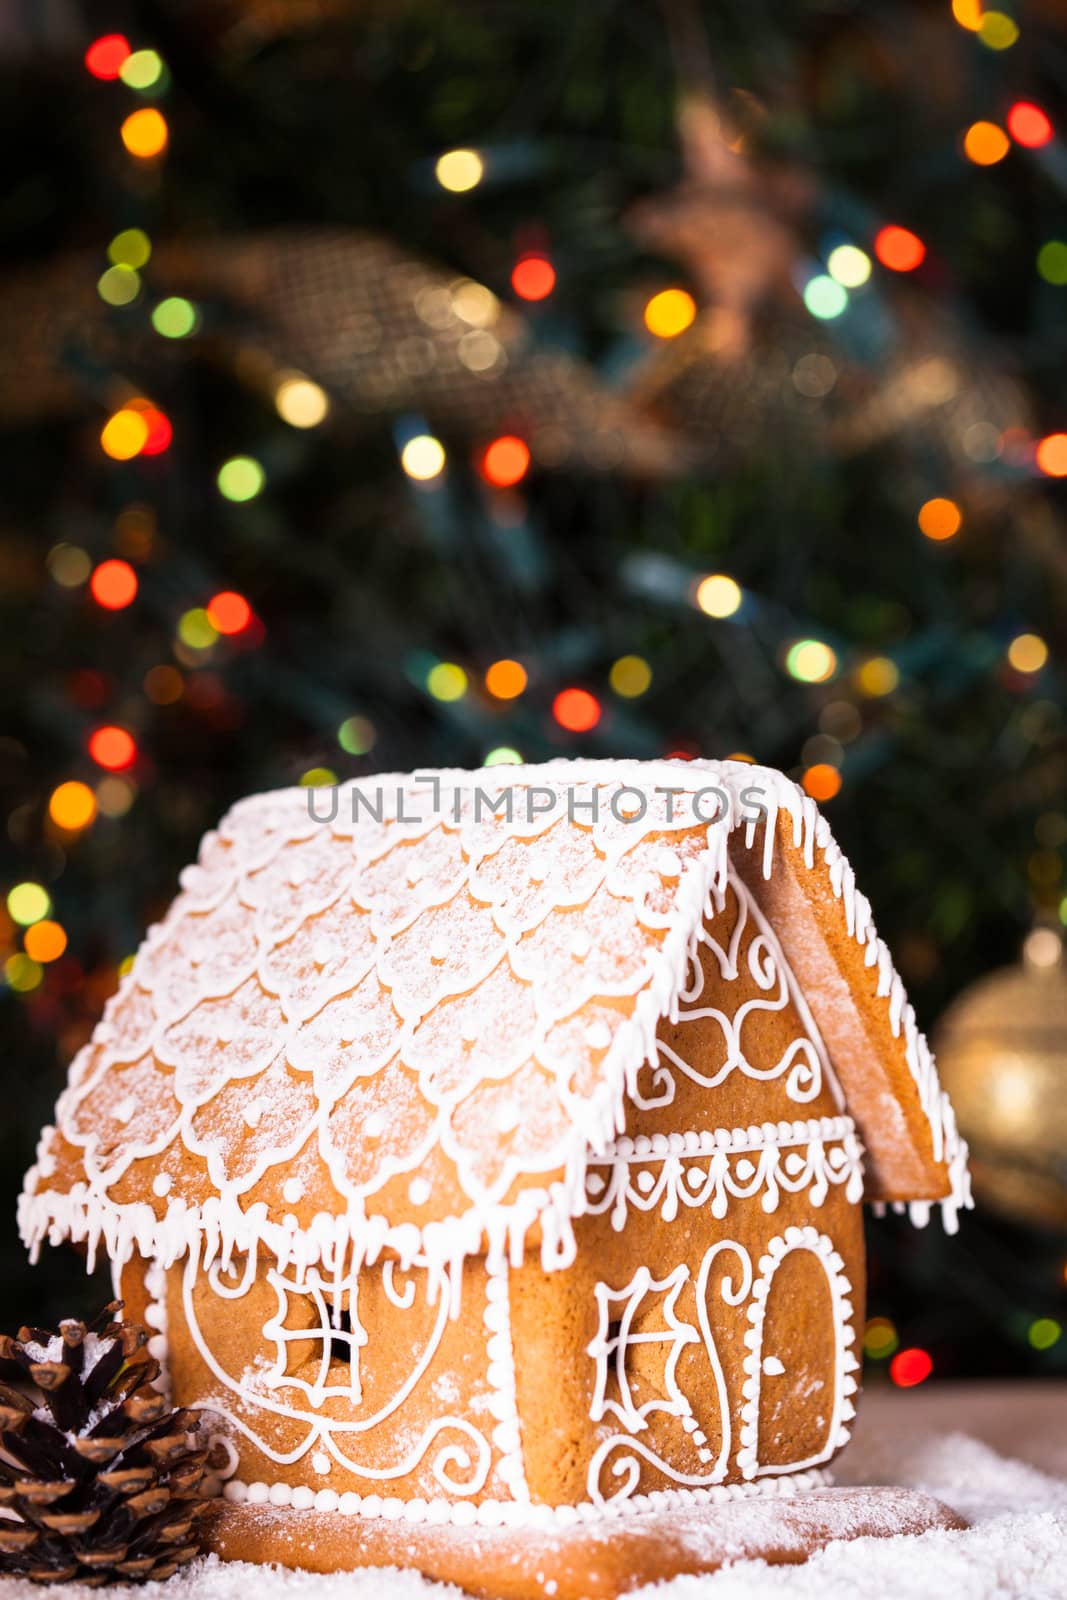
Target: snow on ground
(997, 1455)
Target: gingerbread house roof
(404, 1013)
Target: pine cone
(97, 1480)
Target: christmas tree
(456, 384)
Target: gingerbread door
(800, 1367)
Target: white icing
(155, 1321)
(493, 1004)
(521, 1514)
(503, 1406)
(804, 1065)
(460, 1455)
(478, 936)
(705, 1169)
(615, 1468)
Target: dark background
(724, 149)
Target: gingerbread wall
(422, 1420)
(736, 1138)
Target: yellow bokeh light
(669, 313)
(459, 170)
(880, 1338)
(718, 596)
(1028, 652)
(142, 70)
(22, 972)
(630, 676)
(849, 265)
(877, 677)
(985, 144)
(811, 661)
(72, 806)
(473, 303)
(144, 133)
(300, 402)
(997, 30)
(45, 941)
(69, 565)
(196, 629)
(423, 457)
(118, 286)
(318, 778)
(124, 435)
(130, 248)
(28, 903)
(940, 518)
(503, 756)
(447, 681)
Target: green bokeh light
(241, 478)
(175, 318)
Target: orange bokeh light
(506, 679)
(822, 781)
(106, 56)
(940, 518)
(505, 461)
(229, 612)
(898, 248)
(533, 278)
(1028, 125)
(45, 941)
(123, 435)
(72, 805)
(145, 133)
(113, 585)
(985, 144)
(1052, 455)
(576, 710)
(112, 748)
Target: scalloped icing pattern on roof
(385, 981)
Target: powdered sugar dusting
(437, 966)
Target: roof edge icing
(748, 797)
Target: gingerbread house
(490, 1147)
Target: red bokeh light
(909, 1367)
(160, 432)
(533, 278)
(505, 462)
(113, 585)
(1028, 125)
(576, 710)
(105, 56)
(898, 248)
(112, 748)
(229, 612)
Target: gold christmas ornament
(1002, 1056)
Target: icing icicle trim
(672, 1172)
(270, 869)
(790, 1157)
